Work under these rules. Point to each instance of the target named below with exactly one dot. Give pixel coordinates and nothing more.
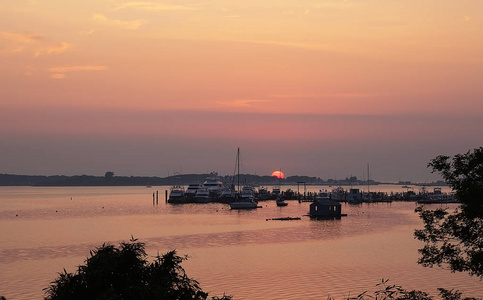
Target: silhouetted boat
(246, 198)
(338, 194)
(202, 195)
(227, 196)
(191, 191)
(263, 194)
(281, 202)
(176, 195)
(354, 196)
(322, 195)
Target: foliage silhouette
(386, 291)
(125, 273)
(109, 175)
(456, 239)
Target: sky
(312, 87)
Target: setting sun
(278, 174)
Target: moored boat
(227, 196)
(322, 195)
(354, 196)
(191, 191)
(176, 194)
(262, 194)
(202, 195)
(246, 198)
(338, 194)
(281, 202)
(213, 185)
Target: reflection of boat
(176, 194)
(246, 198)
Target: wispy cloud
(293, 96)
(318, 47)
(151, 6)
(77, 68)
(87, 32)
(57, 76)
(350, 95)
(28, 38)
(334, 4)
(59, 72)
(31, 42)
(133, 25)
(54, 49)
(242, 102)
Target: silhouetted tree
(109, 175)
(124, 273)
(456, 239)
(388, 291)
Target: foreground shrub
(125, 273)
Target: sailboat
(244, 200)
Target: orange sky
(332, 84)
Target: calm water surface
(43, 230)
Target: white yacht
(213, 185)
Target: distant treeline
(110, 180)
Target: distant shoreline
(185, 179)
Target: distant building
(325, 209)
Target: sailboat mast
(238, 167)
(368, 178)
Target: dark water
(44, 230)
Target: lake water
(43, 230)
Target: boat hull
(243, 205)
